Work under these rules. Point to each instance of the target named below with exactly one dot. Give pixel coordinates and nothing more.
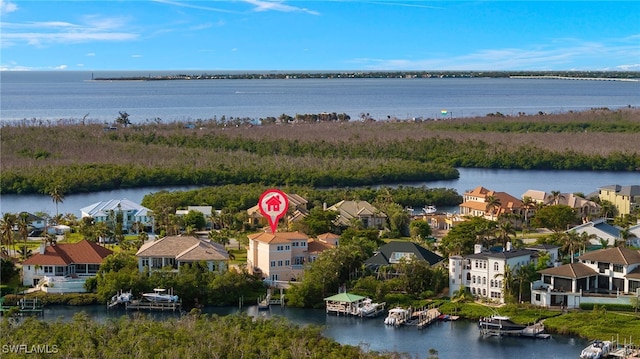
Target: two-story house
(611, 274)
(483, 272)
(106, 211)
(362, 211)
(625, 198)
(297, 211)
(476, 203)
(279, 255)
(585, 209)
(63, 268)
(175, 251)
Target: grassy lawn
(597, 324)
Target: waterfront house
(32, 220)
(297, 211)
(363, 211)
(610, 275)
(483, 272)
(175, 251)
(625, 198)
(476, 203)
(63, 266)
(396, 251)
(277, 256)
(106, 211)
(585, 209)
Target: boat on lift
(160, 295)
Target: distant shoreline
(563, 75)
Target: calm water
(459, 339)
(63, 95)
(514, 182)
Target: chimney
(42, 247)
(477, 248)
(324, 206)
(508, 246)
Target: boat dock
(138, 304)
(424, 318)
(535, 331)
(26, 306)
(269, 300)
(624, 351)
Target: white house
(105, 211)
(483, 272)
(601, 230)
(609, 275)
(63, 267)
(175, 251)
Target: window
(617, 268)
(484, 280)
(273, 263)
(474, 279)
(475, 263)
(287, 247)
(537, 297)
(287, 262)
(145, 262)
(484, 292)
(298, 260)
(279, 263)
(496, 266)
(48, 269)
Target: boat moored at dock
(498, 325)
(160, 295)
(597, 349)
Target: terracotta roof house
(63, 267)
(613, 274)
(278, 256)
(474, 203)
(175, 251)
(395, 251)
(625, 198)
(348, 211)
(329, 238)
(131, 212)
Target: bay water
(54, 95)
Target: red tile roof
(67, 253)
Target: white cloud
(569, 55)
(60, 67)
(262, 5)
(93, 28)
(192, 6)
(90, 54)
(136, 56)
(7, 7)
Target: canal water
(459, 339)
(514, 182)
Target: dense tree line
(242, 197)
(189, 336)
(328, 153)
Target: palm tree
(57, 195)
(8, 222)
(505, 230)
(507, 282)
(492, 203)
(555, 197)
(23, 226)
(573, 241)
(625, 234)
(527, 204)
(607, 209)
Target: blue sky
(319, 35)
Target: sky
(338, 35)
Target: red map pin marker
(273, 204)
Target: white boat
(120, 298)
(397, 316)
(596, 350)
(429, 210)
(370, 309)
(161, 295)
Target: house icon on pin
(273, 203)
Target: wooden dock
(26, 306)
(424, 318)
(153, 306)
